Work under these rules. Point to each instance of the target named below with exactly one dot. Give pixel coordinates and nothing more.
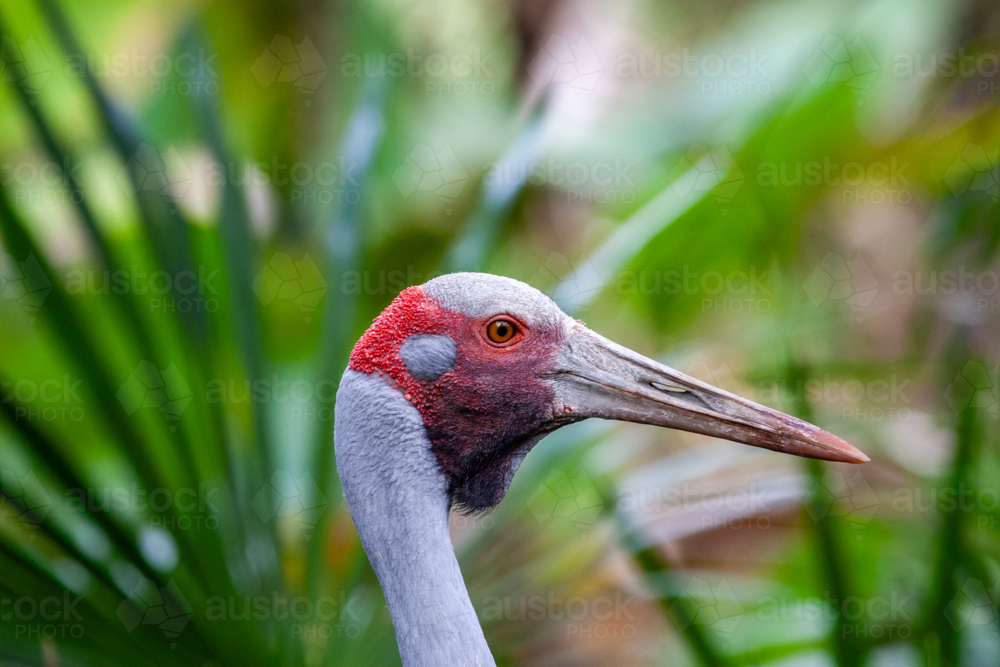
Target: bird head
(493, 365)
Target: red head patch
(485, 413)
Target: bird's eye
(500, 331)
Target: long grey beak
(596, 377)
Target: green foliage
(203, 207)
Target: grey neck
(399, 502)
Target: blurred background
(204, 204)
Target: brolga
(448, 391)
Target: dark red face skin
(484, 414)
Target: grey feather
(482, 295)
(399, 502)
(428, 356)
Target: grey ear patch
(428, 356)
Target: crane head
(493, 365)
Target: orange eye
(501, 331)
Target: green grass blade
(163, 222)
(81, 349)
(847, 652)
(343, 246)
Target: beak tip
(840, 450)
(862, 458)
